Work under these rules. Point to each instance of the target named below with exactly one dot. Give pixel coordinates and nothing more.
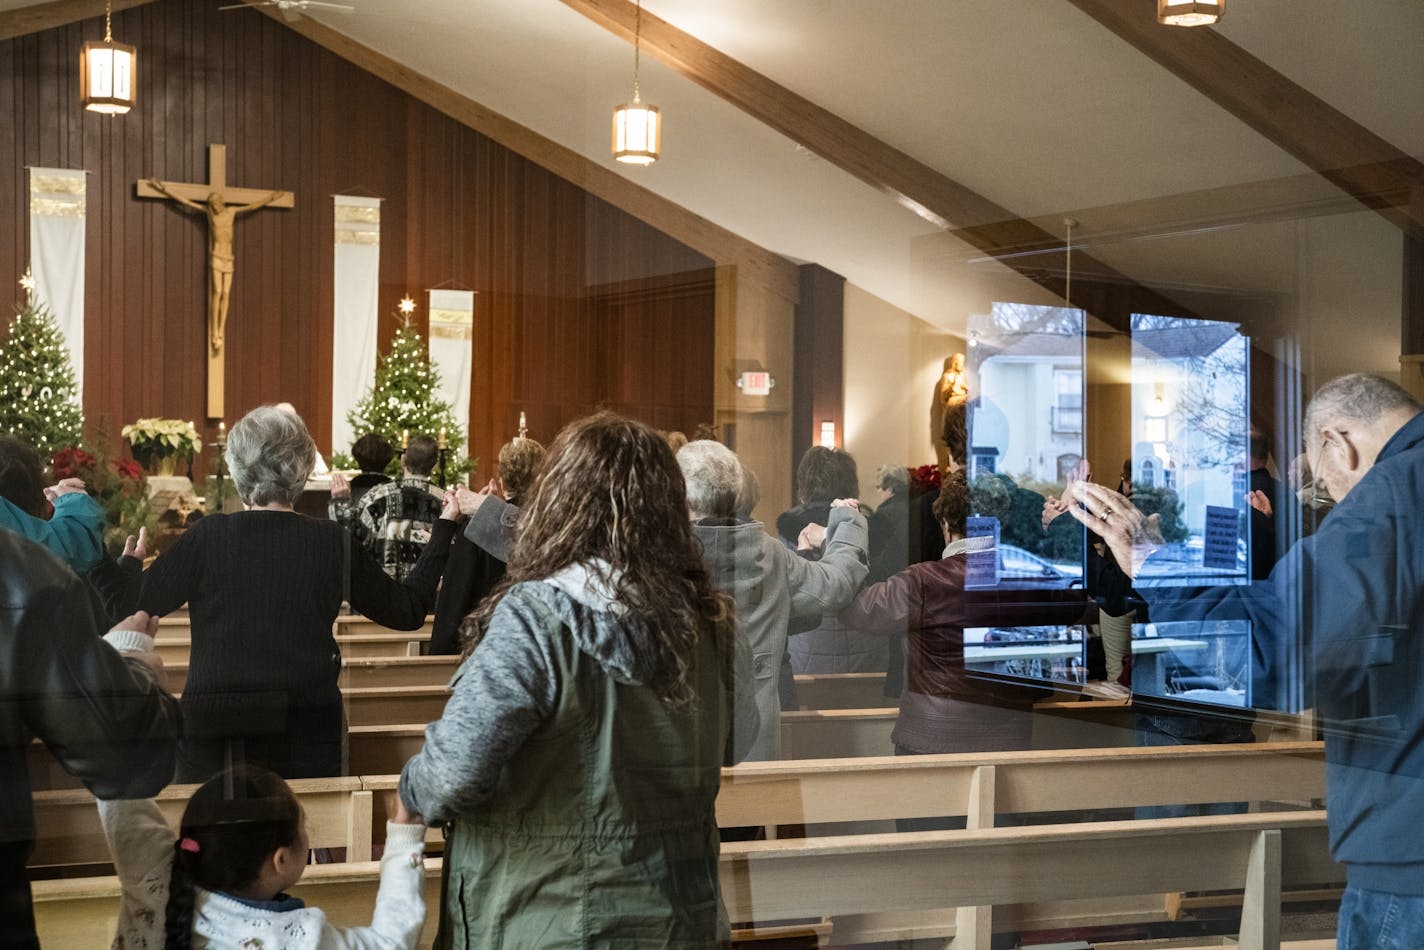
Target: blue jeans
(1374, 920)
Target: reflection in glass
(1190, 421)
(1025, 444)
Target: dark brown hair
(824, 475)
(22, 477)
(372, 452)
(420, 455)
(519, 462)
(611, 490)
(951, 508)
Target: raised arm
(162, 188)
(260, 203)
(830, 583)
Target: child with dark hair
(242, 842)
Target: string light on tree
(39, 396)
(405, 401)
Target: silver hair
(714, 478)
(1357, 397)
(270, 455)
(893, 478)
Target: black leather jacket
(101, 715)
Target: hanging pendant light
(637, 127)
(108, 73)
(1190, 12)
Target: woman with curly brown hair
(579, 754)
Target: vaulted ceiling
(1033, 106)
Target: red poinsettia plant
(117, 484)
(923, 479)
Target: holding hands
(1131, 535)
(145, 623)
(137, 547)
(66, 486)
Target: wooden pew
(355, 636)
(841, 691)
(923, 786)
(338, 814)
(367, 706)
(893, 873)
(903, 874)
(825, 791)
(805, 734)
(977, 786)
(176, 649)
(374, 672)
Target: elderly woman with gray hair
(263, 587)
(769, 582)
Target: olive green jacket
(583, 806)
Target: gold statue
(220, 257)
(948, 416)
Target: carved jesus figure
(220, 257)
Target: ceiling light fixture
(1190, 12)
(108, 73)
(637, 127)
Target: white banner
(57, 253)
(357, 283)
(452, 332)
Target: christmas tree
(405, 402)
(39, 397)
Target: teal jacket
(75, 534)
(583, 806)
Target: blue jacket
(1352, 596)
(75, 534)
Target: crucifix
(221, 204)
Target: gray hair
(893, 478)
(1357, 397)
(714, 478)
(270, 455)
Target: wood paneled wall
(578, 304)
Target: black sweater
(264, 588)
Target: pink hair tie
(189, 845)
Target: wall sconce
(1190, 12)
(637, 128)
(828, 434)
(108, 73)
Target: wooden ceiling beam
(57, 13)
(924, 190)
(1330, 143)
(763, 267)
(1292, 198)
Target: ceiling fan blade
(339, 7)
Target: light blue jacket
(75, 534)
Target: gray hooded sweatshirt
(772, 584)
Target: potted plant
(162, 442)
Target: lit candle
(522, 424)
(405, 438)
(222, 433)
(440, 440)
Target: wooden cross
(221, 204)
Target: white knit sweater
(142, 845)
